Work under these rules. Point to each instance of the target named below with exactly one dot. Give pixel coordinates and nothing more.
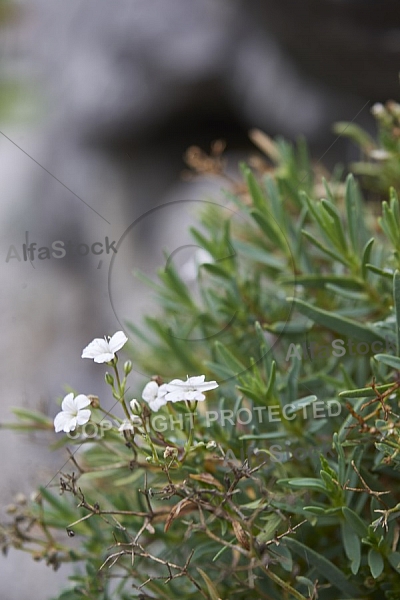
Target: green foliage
(297, 315)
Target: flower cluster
(177, 390)
(74, 411)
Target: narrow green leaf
(255, 190)
(367, 392)
(353, 212)
(306, 483)
(396, 300)
(337, 323)
(324, 567)
(387, 273)
(311, 238)
(366, 257)
(260, 255)
(212, 590)
(389, 360)
(334, 214)
(271, 230)
(320, 281)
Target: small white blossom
(210, 445)
(154, 395)
(191, 389)
(126, 426)
(73, 413)
(103, 351)
(377, 109)
(379, 154)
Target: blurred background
(99, 102)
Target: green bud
(109, 379)
(127, 367)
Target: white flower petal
(176, 396)
(81, 401)
(71, 425)
(195, 381)
(118, 340)
(157, 403)
(175, 384)
(83, 416)
(68, 404)
(103, 358)
(96, 347)
(150, 391)
(61, 420)
(162, 390)
(207, 386)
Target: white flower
(154, 395)
(103, 351)
(128, 425)
(191, 389)
(377, 109)
(379, 154)
(72, 413)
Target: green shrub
(284, 482)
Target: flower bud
(109, 378)
(211, 445)
(170, 452)
(135, 406)
(94, 401)
(127, 367)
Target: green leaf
(320, 281)
(324, 567)
(212, 590)
(337, 323)
(389, 360)
(375, 563)
(355, 522)
(366, 256)
(285, 557)
(255, 190)
(306, 483)
(353, 212)
(387, 273)
(260, 255)
(396, 299)
(271, 230)
(394, 560)
(311, 238)
(352, 547)
(355, 133)
(365, 392)
(233, 364)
